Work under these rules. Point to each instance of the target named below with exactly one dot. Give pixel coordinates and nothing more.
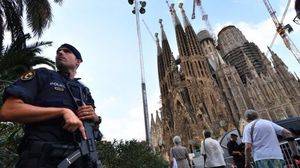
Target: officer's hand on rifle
(72, 122)
(87, 112)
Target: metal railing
(287, 154)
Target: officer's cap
(233, 135)
(72, 49)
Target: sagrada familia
(210, 86)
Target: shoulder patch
(28, 75)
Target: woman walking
(179, 154)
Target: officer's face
(234, 138)
(65, 59)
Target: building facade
(203, 89)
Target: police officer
(45, 102)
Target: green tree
(129, 154)
(108, 153)
(9, 140)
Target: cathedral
(209, 86)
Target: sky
(105, 34)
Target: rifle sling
(70, 159)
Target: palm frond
(39, 15)
(38, 60)
(58, 1)
(20, 7)
(1, 31)
(18, 58)
(13, 19)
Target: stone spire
(276, 60)
(157, 118)
(160, 62)
(159, 51)
(192, 39)
(175, 18)
(180, 35)
(152, 121)
(186, 21)
(167, 53)
(163, 33)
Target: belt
(39, 146)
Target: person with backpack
(260, 138)
(212, 152)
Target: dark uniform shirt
(238, 159)
(47, 88)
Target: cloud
(107, 103)
(130, 124)
(263, 32)
(125, 126)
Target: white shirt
(214, 153)
(265, 143)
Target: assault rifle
(86, 147)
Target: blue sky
(105, 34)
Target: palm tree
(19, 58)
(38, 14)
(15, 60)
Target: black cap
(207, 134)
(72, 49)
(233, 135)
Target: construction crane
(204, 16)
(149, 31)
(283, 30)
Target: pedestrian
(260, 138)
(212, 152)
(236, 151)
(179, 154)
(46, 102)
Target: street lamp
(139, 8)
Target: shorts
(266, 163)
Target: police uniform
(46, 143)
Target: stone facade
(230, 38)
(202, 91)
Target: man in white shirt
(260, 138)
(213, 152)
